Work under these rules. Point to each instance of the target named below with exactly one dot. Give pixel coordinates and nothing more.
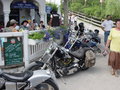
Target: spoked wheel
(47, 85)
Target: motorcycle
(28, 80)
(93, 40)
(65, 62)
(90, 40)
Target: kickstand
(63, 80)
(61, 76)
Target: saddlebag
(89, 58)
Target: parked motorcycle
(90, 40)
(28, 80)
(93, 40)
(64, 62)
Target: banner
(23, 5)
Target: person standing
(107, 25)
(55, 19)
(114, 43)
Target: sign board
(48, 9)
(23, 5)
(13, 51)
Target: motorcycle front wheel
(47, 85)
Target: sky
(54, 1)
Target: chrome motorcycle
(65, 62)
(28, 80)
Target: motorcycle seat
(34, 66)
(17, 77)
(79, 54)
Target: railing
(36, 51)
(92, 20)
(30, 52)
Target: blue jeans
(106, 34)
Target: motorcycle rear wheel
(47, 85)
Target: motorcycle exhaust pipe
(71, 69)
(75, 65)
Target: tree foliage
(95, 8)
(113, 8)
(53, 6)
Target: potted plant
(35, 38)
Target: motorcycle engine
(65, 62)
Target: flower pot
(34, 42)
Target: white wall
(6, 10)
(42, 8)
(24, 15)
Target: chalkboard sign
(13, 51)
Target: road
(95, 78)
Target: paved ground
(95, 78)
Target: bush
(112, 8)
(75, 6)
(36, 35)
(94, 8)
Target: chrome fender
(40, 76)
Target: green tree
(95, 8)
(113, 8)
(53, 6)
(75, 6)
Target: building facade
(22, 10)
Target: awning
(24, 5)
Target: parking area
(95, 78)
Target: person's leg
(106, 34)
(114, 72)
(105, 38)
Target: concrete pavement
(95, 78)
